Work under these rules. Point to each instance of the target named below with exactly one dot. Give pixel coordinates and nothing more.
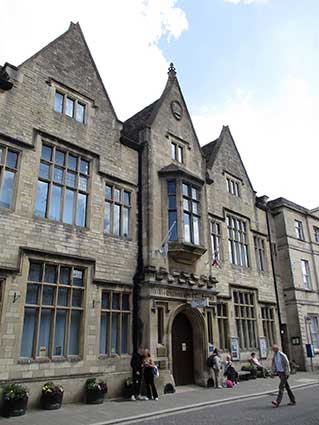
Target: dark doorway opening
(182, 350)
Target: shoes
(275, 403)
(145, 398)
(292, 403)
(219, 386)
(133, 398)
(140, 397)
(156, 398)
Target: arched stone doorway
(182, 350)
(188, 346)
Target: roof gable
(213, 152)
(69, 59)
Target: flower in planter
(92, 385)
(51, 388)
(15, 392)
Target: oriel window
(8, 171)
(63, 186)
(172, 209)
(191, 213)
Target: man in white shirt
(257, 365)
(280, 366)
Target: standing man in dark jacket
(137, 365)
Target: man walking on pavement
(280, 366)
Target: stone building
(295, 232)
(115, 233)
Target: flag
(216, 262)
(164, 246)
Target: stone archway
(188, 346)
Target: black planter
(95, 397)
(14, 407)
(51, 401)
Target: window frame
(216, 239)
(299, 230)
(177, 152)
(314, 334)
(54, 307)
(222, 325)
(113, 202)
(233, 186)
(260, 253)
(190, 199)
(4, 167)
(316, 233)
(120, 312)
(245, 316)
(64, 186)
(306, 274)
(268, 324)
(238, 241)
(76, 100)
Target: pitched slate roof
(141, 119)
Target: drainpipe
(274, 277)
(262, 203)
(139, 273)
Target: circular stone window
(177, 110)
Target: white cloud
(123, 36)
(245, 1)
(278, 141)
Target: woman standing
(216, 366)
(148, 367)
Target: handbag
(155, 372)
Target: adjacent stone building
(112, 233)
(295, 233)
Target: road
(256, 411)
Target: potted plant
(15, 400)
(52, 396)
(95, 391)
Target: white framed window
(8, 171)
(177, 152)
(306, 278)
(63, 186)
(70, 106)
(259, 244)
(314, 329)
(245, 318)
(299, 230)
(316, 233)
(117, 211)
(215, 235)
(237, 241)
(232, 186)
(115, 323)
(53, 310)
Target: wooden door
(182, 350)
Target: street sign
(200, 302)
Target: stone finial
(171, 71)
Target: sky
(249, 64)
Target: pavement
(186, 399)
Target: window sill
(122, 238)
(113, 356)
(60, 223)
(69, 118)
(54, 359)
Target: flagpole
(169, 231)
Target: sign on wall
(263, 347)
(234, 348)
(200, 302)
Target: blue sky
(251, 64)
